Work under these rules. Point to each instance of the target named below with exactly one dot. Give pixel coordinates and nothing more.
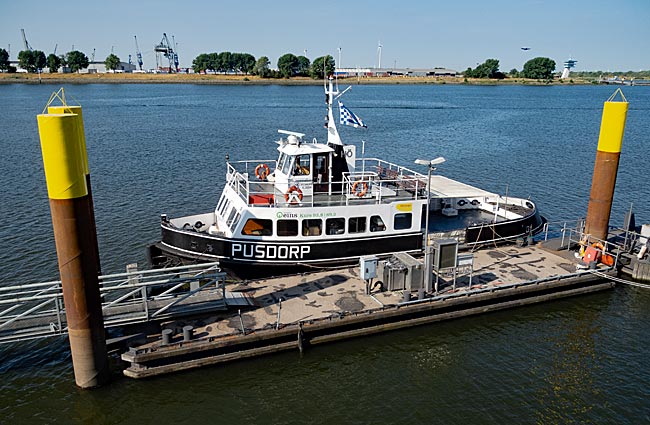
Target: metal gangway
(37, 310)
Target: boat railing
(386, 168)
(247, 168)
(503, 205)
(374, 180)
(238, 177)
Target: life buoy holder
(362, 186)
(262, 171)
(461, 202)
(294, 193)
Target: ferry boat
(318, 204)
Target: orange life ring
(290, 192)
(599, 246)
(261, 171)
(364, 188)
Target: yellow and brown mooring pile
(603, 181)
(66, 172)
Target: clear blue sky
(601, 35)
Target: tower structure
(568, 64)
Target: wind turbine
(338, 64)
(379, 46)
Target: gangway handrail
(38, 310)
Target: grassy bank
(21, 78)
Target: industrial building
(389, 72)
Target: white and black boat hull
(190, 245)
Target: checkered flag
(347, 117)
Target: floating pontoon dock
(294, 312)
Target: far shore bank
(20, 78)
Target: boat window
(312, 227)
(233, 219)
(302, 165)
(281, 160)
(335, 226)
(257, 227)
(222, 201)
(287, 227)
(402, 221)
(377, 224)
(224, 207)
(357, 225)
(286, 167)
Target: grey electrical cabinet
(368, 267)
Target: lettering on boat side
(282, 252)
(286, 215)
(305, 215)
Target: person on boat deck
(302, 165)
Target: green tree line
(35, 61)
(539, 68)
(289, 65)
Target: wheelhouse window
(286, 166)
(302, 165)
(281, 160)
(357, 225)
(257, 227)
(377, 224)
(335, 226)
(402, 221)
(287, 227)
(312, 227)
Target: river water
(161, 149)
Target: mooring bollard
(406, 296)
(188, 332)
(167, 336)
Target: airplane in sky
(525, 48)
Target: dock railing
(572, 236)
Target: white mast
(332, 133)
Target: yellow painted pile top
(66, 109)
(612, 127)
(62, 156)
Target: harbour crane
(165, 48)
(137, 53)
(175, 53)
(25, 42)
